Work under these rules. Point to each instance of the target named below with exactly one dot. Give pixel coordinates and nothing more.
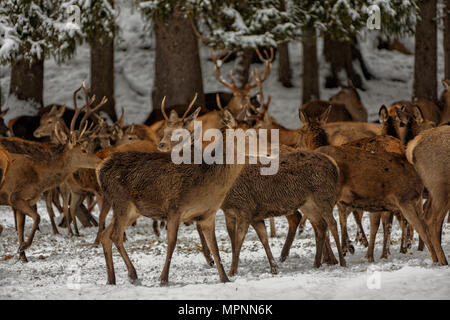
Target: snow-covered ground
(61, 267)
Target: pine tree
(98, 24)
(31, 31)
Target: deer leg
(412, 213)
(208, 227)
(51, 213)
(240, 233)
(360, 234)
(55, 199)
(261, 231)
(74, 202)
(301, 226)
(320, 231)
(106, 241)
(65, 196)
(328, 255)
(332, 225)
(346, 243)
(374, 225)
(273, 232)
(435, 216)
(156, 228)
(25, 208)
(387, 219)
(293, 221)
(173, 223)
(205, 249)
(230, 222)
(104, 209)
(20, 218)
(121, 223)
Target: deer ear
(324, 116)
(350, 83)
(446, 84)
(228, 120)
(417, 114)
(383, 114)
(193, 115)
(61, 111)
(303, 117)
(173, 116)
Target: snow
(61, 267)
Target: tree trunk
(102, 74)
(178, 73)
(310, 80)
(27, 81)
(243, 63)
(339, 55)
(425, 57)
(284, 63)
(447, 40)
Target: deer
(346, 106)
(30, 176)
(306, 180)
(150, 184)
(72, 195)
(315, 136)
(429, 152)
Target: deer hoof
(211, 263)
(274, 269)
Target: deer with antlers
(32, 173)
(150, 184)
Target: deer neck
(389, 128)
(412, 129)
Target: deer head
(240, 105)
(49, 120)
(174, 122)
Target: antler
(163, 106)
(218, 64)
(267, 60)
(190, 106)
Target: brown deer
(429, 152)
(29, 177)
(150, 184)
(306, 180)
(378, 144)
(346, 105)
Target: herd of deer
(336, 158)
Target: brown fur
(28, 179)
(380, 182)
(349, 96)
(429, 109)
(306, 180)
(429, 152)
(150, 184)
